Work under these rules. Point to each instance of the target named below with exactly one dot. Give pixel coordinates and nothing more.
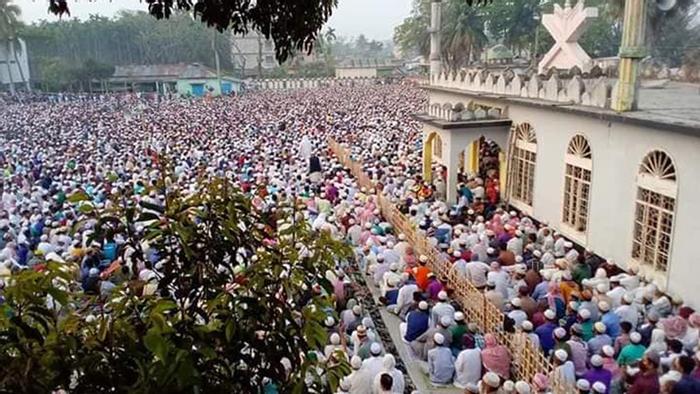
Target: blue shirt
(441, 365)
(546, 334)
(612, 324)
(416, 324)
(540, 290)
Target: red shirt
(421, 275)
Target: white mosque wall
(617, 152)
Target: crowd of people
(604, 329)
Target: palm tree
(330, 35)
(463, 35)
(9, 22)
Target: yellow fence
(527, 360)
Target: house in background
(369, 68)
(18, 71)
(247, 51)
(183, 79)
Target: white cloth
(467, 368)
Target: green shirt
(581, 272)
(458, 332)
(630, 354)
(587, 330)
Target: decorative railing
(302, 83)
(527, 359)
(574, 87)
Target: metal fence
(527, 359)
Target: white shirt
(405, 295)
(477, 271)
(397, 386)
(467, 368)
(515, 245)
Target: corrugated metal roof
(164, 71)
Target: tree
(291, 24)
(129, 38)
(462, 34)
(9, 24)
(236, 296)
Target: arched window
(656, 204)
(523, 163)
(437, 146)
(577, 183)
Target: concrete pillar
(472, 161)
(428, 158)
(632, 51)
(502, 173)
(435, 17)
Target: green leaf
(78, 196)
(155, 343)
(147, 217)
(230, 330)
(86, 208)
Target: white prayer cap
(508, 386)
(549, 314)
(439, 338)
(459, 316)
(596, 360)
(608, 351)
(559, 332)
(335, 338)
(442, 295)
(457, 253)
(491, 379)
(628, 298)
(423, 258)
(518, 259)
(445, 321)
(423, 306)
(537, 254)
(393, 281)
(599, 387)
(393, 266)
(527, 325)
(380, 257)
(330, 321)
(600, 327)
(583, 384)
(402, 237)
(568, 244)
(561, 355)
(602, 288)
(604, 306)
(375, 349)
(584, 313)
(521, 387)
(516, 302)
(356, 362)
(635, 337)
(357, 310)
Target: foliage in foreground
(230, 306)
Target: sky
(373, 18)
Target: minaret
(435, 63)
(632, 51)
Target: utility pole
(537, 18)
(435, 16)
(216, 60)
(260, 55)
(632, 51)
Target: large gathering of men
(605, 330)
